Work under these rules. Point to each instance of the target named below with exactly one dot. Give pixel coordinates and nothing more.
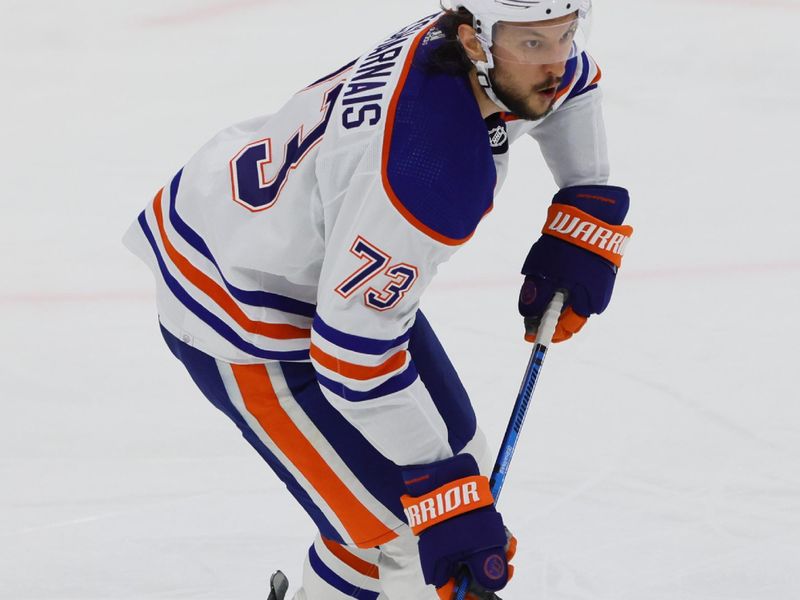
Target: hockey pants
(364, 549)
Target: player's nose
(556, 69)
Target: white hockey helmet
(521, 11)
(533, 36)
(532, 15)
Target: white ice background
(661, 457)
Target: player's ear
(469, 40)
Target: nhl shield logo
(498, 139)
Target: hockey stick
(544, 338)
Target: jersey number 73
(401, 277)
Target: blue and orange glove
(579, 252)
(449, 506)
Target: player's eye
(532, 44)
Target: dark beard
(517, 103)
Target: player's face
(528, 90)
(529, 64)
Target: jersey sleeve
(383, 248)
(573, 138)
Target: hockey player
(291, 251)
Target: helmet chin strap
(484, 79)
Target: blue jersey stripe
(356, 343)
(332, 579)
(250, 297)
(390, 386)
(210, 319)
(443, 384)
(376, 472)
(205, 373)
(579, 85)
(569, 73)
(575, 94)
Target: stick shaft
(511, 437)
(524, 396)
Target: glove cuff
(605, 202)
(421, 479)
(450, 500)
(586, 231)
(442, 490)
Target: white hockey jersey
(310, 234)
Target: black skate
(278, 586)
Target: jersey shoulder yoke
(437, 164)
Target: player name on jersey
(365, 91)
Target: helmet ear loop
(483, 68)
(483, 33)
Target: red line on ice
(669, 273)
(679, 272)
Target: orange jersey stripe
(351, 560)
(262, 402)
(354, 371)
(214, 291)
(566, 89)
(597, 77)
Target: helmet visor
(539, 43)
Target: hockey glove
(449, 506)
(580, 251)
(475, 591)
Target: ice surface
(661, 459)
